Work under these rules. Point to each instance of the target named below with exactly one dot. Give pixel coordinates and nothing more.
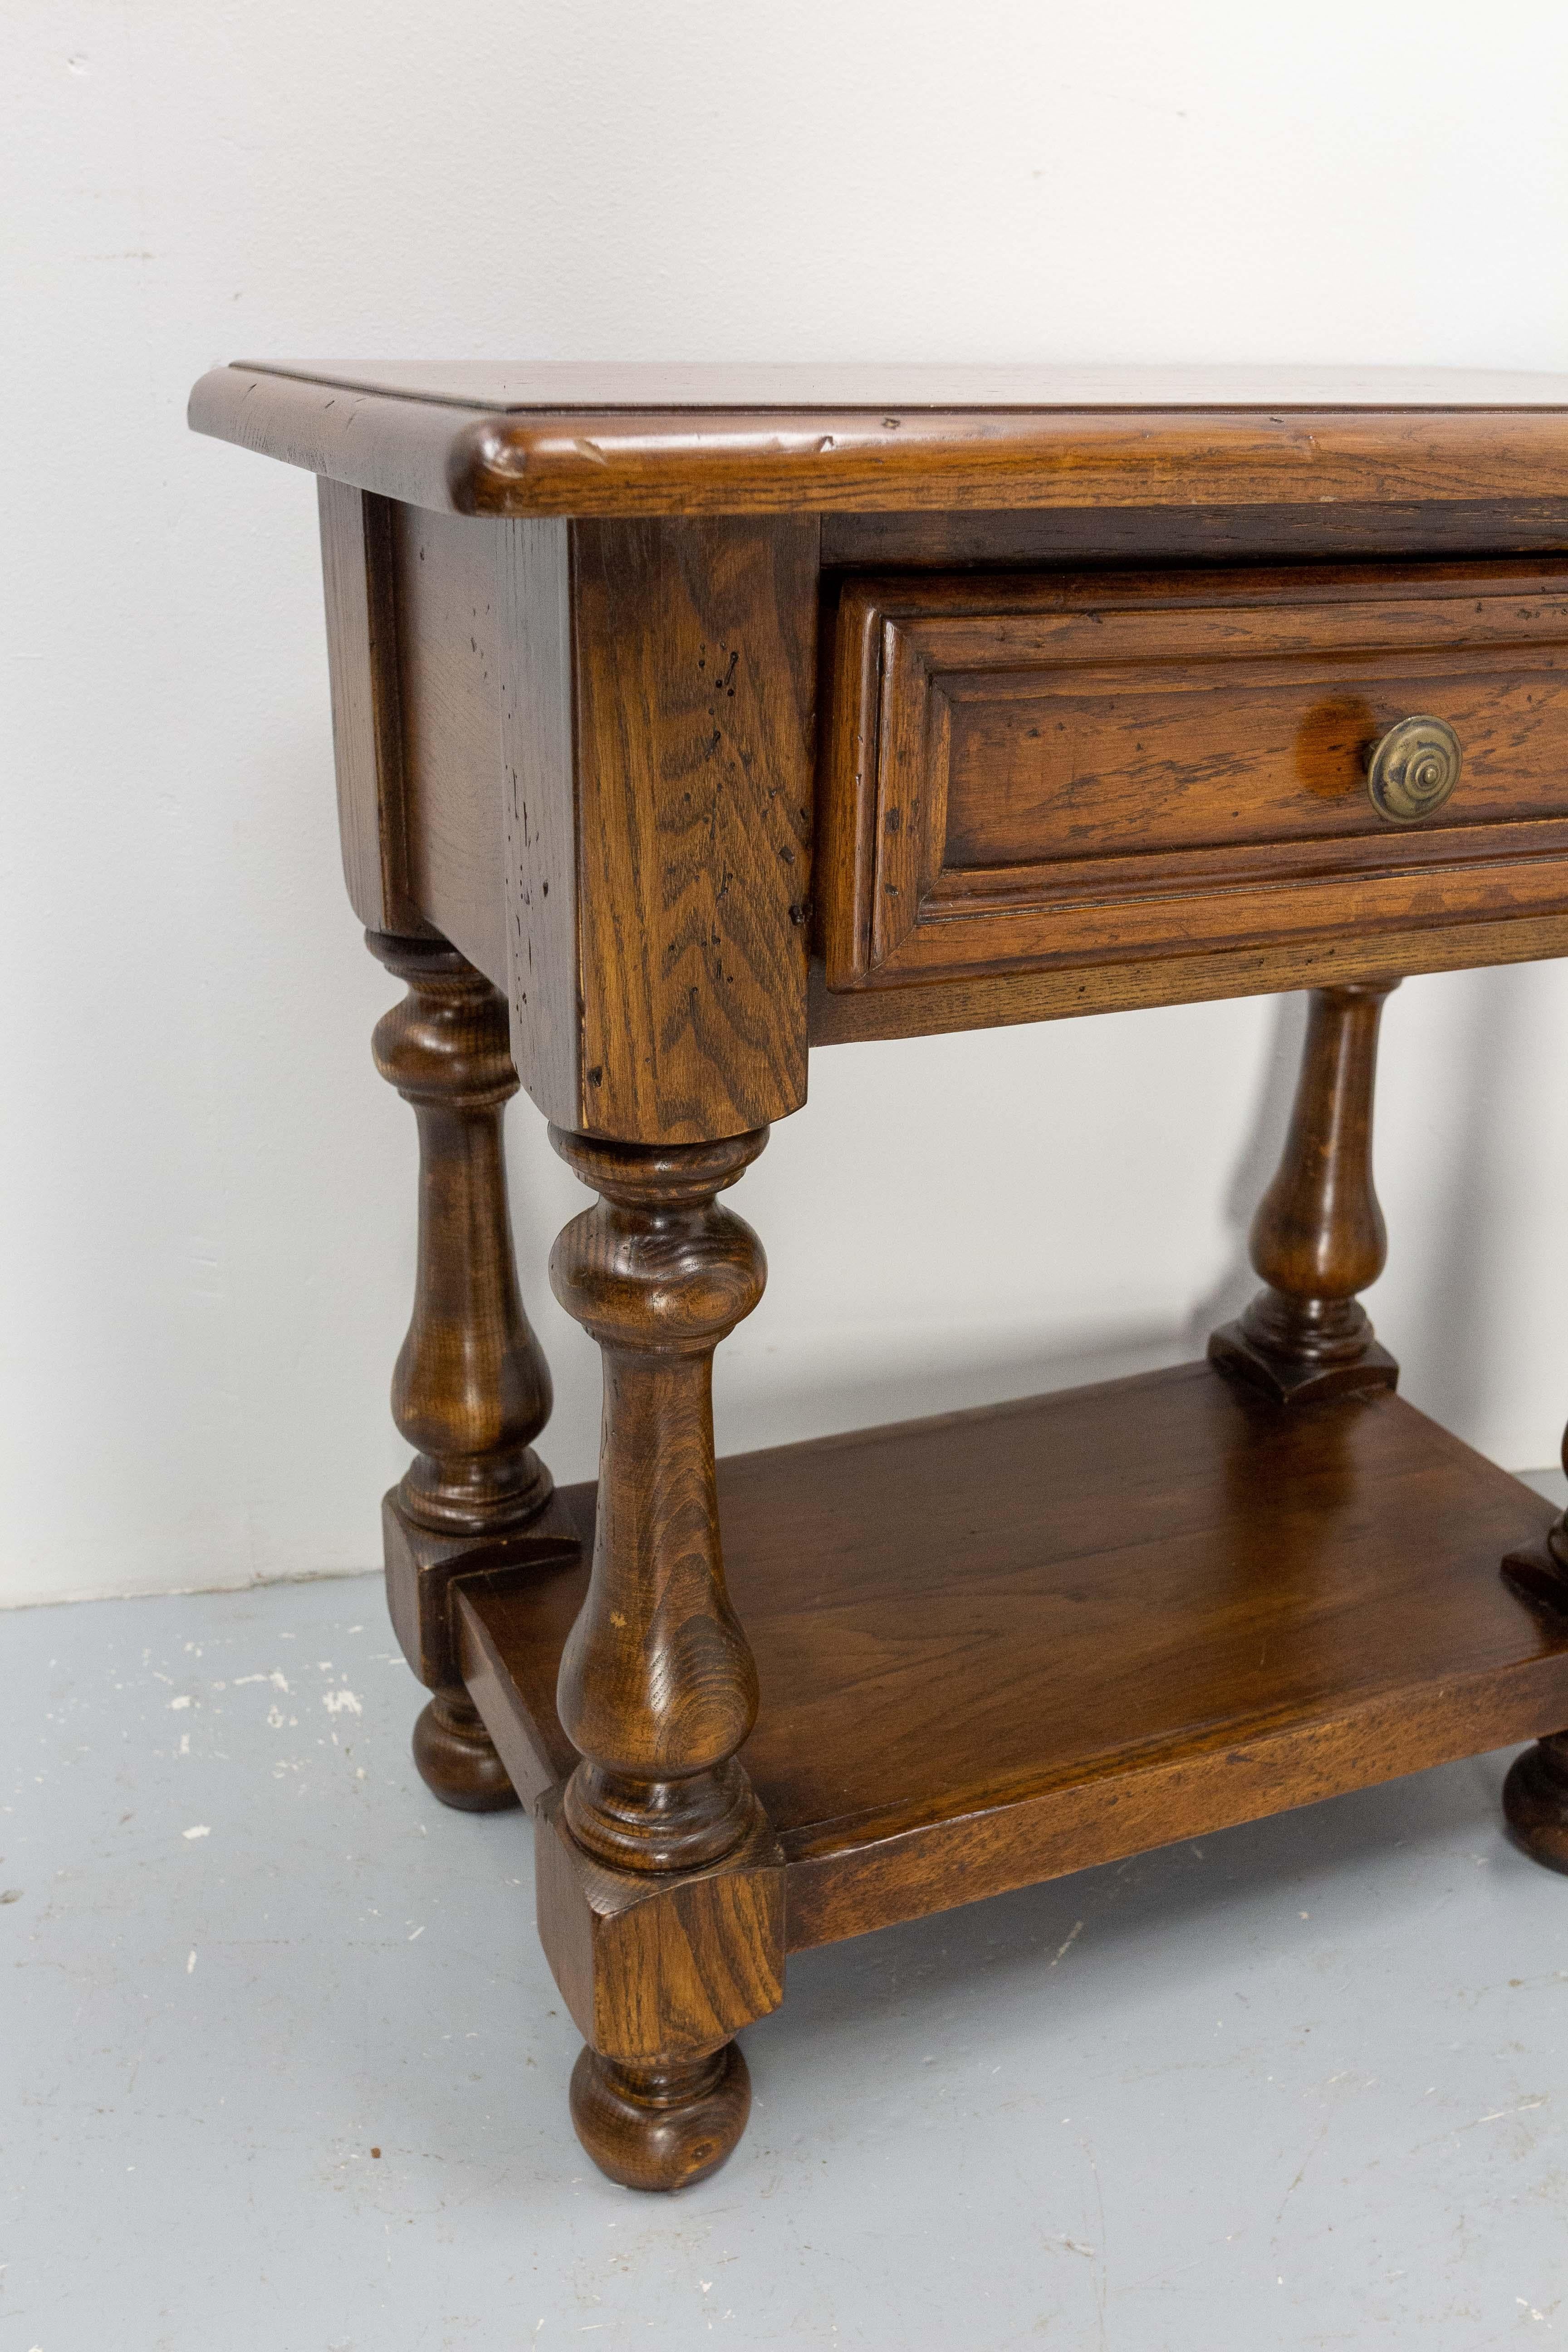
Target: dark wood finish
(539, 815)
(1535, 1794)
(657, 1688)
(536, 1754)
(1318, 1237)
(693, 699)
(605, 744)
(661, 1964)
(1043, 769)
(1000, 1646)
(457, 1757)
(660, 1883)
(1001, 999)
(452, 661)
(1535, 1801)
(627, 854)
(1074, 539)
(769, 441)
(1550, 1576)
(471, 1388)
(1109, 649)
(661, 2127)
(367, 719)
(1538, 1571)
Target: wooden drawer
(1042, 769)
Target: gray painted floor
(1300, 2085)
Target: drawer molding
(1024, 770)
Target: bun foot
(1535, 1801)
(457, 1757)
(660, 2126)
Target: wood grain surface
(659, 1967)
(357, 577)
(779, 444)
(996, 998)
(471, 1388)
(1037, 768)
(660, 1883)
(657, 1685)
(1318, 1237)
(1070, 537)
(575, 619)
(1001, 1644)
(452, 658)
(694, 686)
(538, 813)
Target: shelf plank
(998, 1645)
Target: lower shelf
(999, 1645)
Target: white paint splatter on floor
(284, 2065)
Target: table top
(562, 386)
(620, 438)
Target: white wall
(208, 1195)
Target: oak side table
(687, 719)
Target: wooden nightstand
(688, 719)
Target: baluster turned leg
(471, 1390)
(1535, 1800)
(1318, 1237)
(660, 1885)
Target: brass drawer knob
(1413, 770)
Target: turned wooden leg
(1535, 1801)
(1318, 1237)
(660, 1882)
(1535, 1794)
(471, 1390)
(660, 2126)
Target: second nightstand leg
(1535, 1801)
(1535, 1794)
(660, 1882)
(1318, 1237)
(471, 1390)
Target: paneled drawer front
(1032, 769)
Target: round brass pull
(1413, 770)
